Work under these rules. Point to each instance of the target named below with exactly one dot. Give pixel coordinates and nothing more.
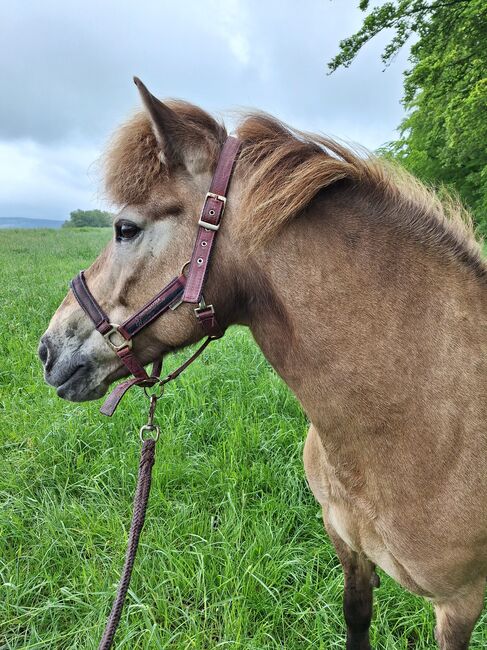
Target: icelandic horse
(368, 296)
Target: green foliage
(443, 138)
(405, 17)
(233, 553)
(89, 218)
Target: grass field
(233, 554)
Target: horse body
(371, 307)
(394, 383)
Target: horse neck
(338, 303)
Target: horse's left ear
(166, 124)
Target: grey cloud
(66, 69)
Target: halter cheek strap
(180, 289)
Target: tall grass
(233, 554)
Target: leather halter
(181, 289)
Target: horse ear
(166, 125)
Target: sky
(67, 66)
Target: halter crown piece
(181, 289)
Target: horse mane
(284, 169)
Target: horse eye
(126, 230)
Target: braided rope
(147, 457)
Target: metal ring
(149, 427)
(157, 394)
(183, 268)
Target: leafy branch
(404, 16)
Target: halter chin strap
(181, 289)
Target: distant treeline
(91, 218)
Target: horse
(367, 295)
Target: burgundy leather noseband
(181, 289)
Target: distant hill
(20, 222)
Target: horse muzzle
(71, 372)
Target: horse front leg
(360, 579)
(360, 576)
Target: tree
(92, 218)
(443, 138)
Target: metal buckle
(218, 197)
(114, 330)
(199, 309)
(176, 303)
(202, 306)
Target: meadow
(233, 554)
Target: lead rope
(147, 458)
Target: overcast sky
(66, 69)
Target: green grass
(233, 554)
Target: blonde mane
(284, 169)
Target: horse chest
(350, 513)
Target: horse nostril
(46, 353)
(43, 352)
